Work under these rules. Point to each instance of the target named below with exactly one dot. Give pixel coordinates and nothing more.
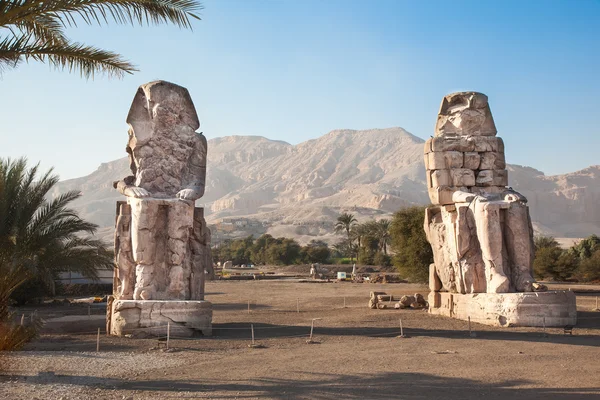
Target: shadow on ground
(332, 386)
(238, 306)
(269, 331)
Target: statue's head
(465, 113)
(160, 106)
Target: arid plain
(357, 352)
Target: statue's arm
(512, 195)
(463, 197)
(127, 188)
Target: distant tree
(547, 252)
(542, 241)
(370, 244)
(340, 249)
(283, 252)
(586, 247)
(344, 223)
(545, 261)
(382, 260)
(554, 263)
(315, 252)
(343, 248)
(259, 250)
(382, 232)
(237, 251)
(358, 232)
(264, 250)
(413, 253)
(589, 268)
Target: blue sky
(294, 70)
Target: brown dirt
(357, 354)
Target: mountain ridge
(369, 172)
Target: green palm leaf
(34, 30)
(43, 237)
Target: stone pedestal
(556, 308)
(151, 317)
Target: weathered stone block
(462, 177)
(456, 143)
(435, 285)
(556, 308)
(492, 177)
(440, 195)
(427, 146)
(471, 160)
(151, 317)
(445, 160)
(441, 177)
(483, 143)
(492, 160)
(434, 299)
(465, 113)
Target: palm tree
(345, 222)
(358, 232)
(40, 237)
(382, 232)
(34, 29)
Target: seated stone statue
(480, 230)
(166, 155)
(162, 244)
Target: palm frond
(45, 28)
(132, 12)
(35, 30)
(87, 60)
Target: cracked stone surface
(162, 243)
(479, 229)
(556, 308)
(143, 317)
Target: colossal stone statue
(162, 244)
(479, 229)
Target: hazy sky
(294, 70)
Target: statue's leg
(144, 213)
(489, 233)
(180, 221)
(199, 247)
(469, 258)
(519, 246)
(123, 256)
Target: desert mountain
(298, 190)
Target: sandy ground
(357, 354)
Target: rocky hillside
(299, 190)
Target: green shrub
(413, 253)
